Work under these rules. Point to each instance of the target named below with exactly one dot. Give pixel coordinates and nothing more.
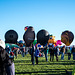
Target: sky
(55, 16)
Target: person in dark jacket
(51, 50)
(73, 51)
(32, 51)
(3, 58)
(56, 52)
(5, 61)
(46, 52)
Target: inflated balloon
(42, 37)
(52, 39)
(29, 36)
(11, 36)
(67, 37)
(58, 42)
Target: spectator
(37, 54)
(69, 53)
(57, 52)
(73, 51)
(22, 48)
(46, 52)
(51, 50)
(63, 52)
(5, 61)
(32, 51)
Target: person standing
(63, 52)
(57, 52)
(10, 69)
(51, 50)
(3, 58)
(5, 61)
(22, 48)
(69, 53)
(46, 52)
(73, 51)
(37, 54)
(32, 51)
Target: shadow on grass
(22, 61)
(58, 64)
(44, 73)
(50, 62)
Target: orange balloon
(52, 39)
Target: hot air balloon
(29, 36)
(67, 37)
(11, 36)
(42, 37)
(58, 42)
(52, 39)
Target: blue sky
(55, 16)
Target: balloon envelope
(42, 37)
(29, 36)
(67, 37)
(52, 39)
(11, 36)
(58, 42)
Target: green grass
(23, 66)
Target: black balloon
(42, 37)
(29, 36)
(11, 36)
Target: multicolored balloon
(52, 39)
(29, 36)
(67, 37)
(42, 37)
(26, 28)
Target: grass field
(23, 66)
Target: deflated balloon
(42, 37)
(29, 36)
(11, 36)
(67, 37)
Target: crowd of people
(52, 51)
(7, 55)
